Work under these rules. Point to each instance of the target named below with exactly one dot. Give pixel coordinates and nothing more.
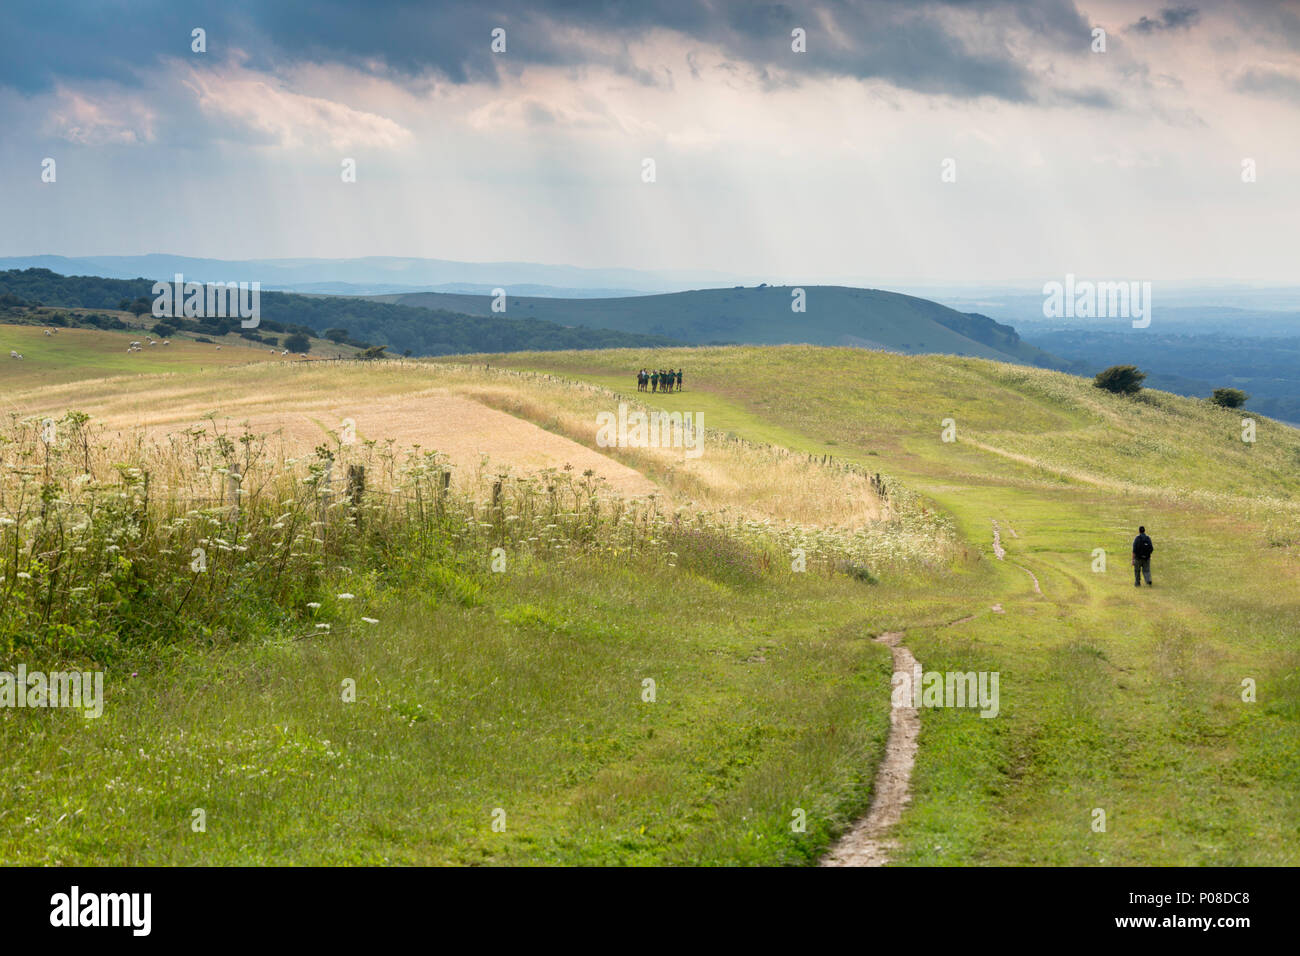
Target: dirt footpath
(867, 843)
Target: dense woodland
(403, 329)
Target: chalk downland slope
(1175, 709)
(770, 694)
(833, 315)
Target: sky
(971, 140)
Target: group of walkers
(660, 380)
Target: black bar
(962, 907)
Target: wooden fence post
(233, 479)
(442, 491)
(356, 489)
(323, 489)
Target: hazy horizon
(991, 284)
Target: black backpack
(1143, 547)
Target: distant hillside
(373, 271)
(421, 331)
(835, 315)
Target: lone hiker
(1142, 548)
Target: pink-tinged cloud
(263, 105)
(88, 119)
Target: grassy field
(525, 696)
(1124, 700)
(523, 691)
(79, 354)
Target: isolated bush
(1229, 397)
(218, 326)
(163, 329)
(297, 342)
(1120, 379)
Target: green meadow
(1114, 698)
(690, 699)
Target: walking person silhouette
(1142, 548)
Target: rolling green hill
(835, 315)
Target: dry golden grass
(742, 477)
(520, 423)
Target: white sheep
(13, 354)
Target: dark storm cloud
(914, 45)
(1266, 82)
(1170, 18)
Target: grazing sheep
(48, 333)
(167, 341)
(13, 354)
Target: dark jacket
(1142, 546)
